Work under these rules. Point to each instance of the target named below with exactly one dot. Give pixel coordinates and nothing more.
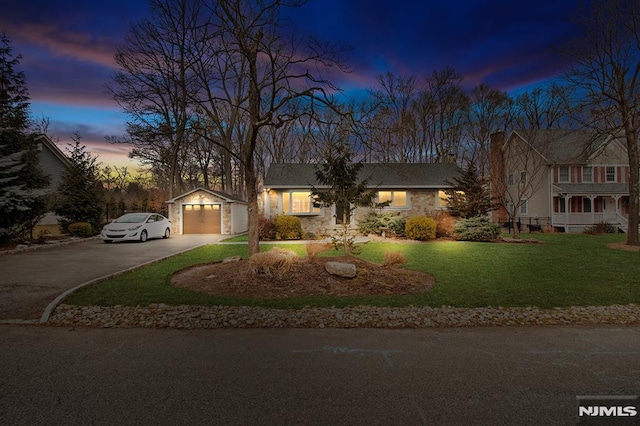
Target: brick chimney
(496, 171)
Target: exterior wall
(520, 157)
(421, 202)
(229, 225)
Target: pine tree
(23, 185)
(80, 194)
(470, 195)
(345, 190)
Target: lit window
(397, 199)
(298, 203)
(587, 174)
(443, 199)
(611, 174)
(563, 174)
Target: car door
(153, 225)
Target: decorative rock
(347, 270)
(232, 259)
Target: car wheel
(167, 233)
(108, 241)
(143, 236)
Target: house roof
(563, 146)
(57, 152)
(383, 175)
(591, 188)
(227, 197)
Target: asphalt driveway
(29, 281)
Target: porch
(575, 213)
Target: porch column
(567, 207)
(592, 200)
(617, 199)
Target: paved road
(496, 376)
(29, 281)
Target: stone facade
(421, 202)
(230, 216)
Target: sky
(67, 49)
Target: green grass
(566, 270)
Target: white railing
(569, 219)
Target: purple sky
(68, 46)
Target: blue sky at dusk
(68, 46)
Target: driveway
(29, 281)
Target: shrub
(445, 224)
(80, 229)
(266, 228)
(477, 229)
(376, 223)
(313, 249)
(394, 258)
(601, 228)
(420, 228)
(273, 262)
(288, 228)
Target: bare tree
(490, 110)
(154, 84)
(607, 70)
(252, 72)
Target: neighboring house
(566, 179)
(54, 164)
(412, 189)
(204, 211)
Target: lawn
(565, 270)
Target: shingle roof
(392, 175)
(592, 188)
(562, 146)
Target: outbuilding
(205, 211)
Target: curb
(52, 306)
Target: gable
(53, 162)
(383, 175)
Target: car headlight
(134, 228)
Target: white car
(136, 227)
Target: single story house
(204, 211)
(412, 189)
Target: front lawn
(566, 270)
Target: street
(502, 375)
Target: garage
(202, 219)
(205, 211)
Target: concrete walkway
(29, 281)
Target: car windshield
(132, 218)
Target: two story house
(566, 179)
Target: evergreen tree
(80, 194)
(345, 190)
(470, 195)
(23, 185)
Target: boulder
(347, 270)
(232, 259)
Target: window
(586, 205)
(397, 199)
(563, 174)
(523, 178)
(610, 173)
(510, 180)
(523, 207)
(443, 199)
(587, 174)
(295, 202)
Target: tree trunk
(634, 170)
(252, 210)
